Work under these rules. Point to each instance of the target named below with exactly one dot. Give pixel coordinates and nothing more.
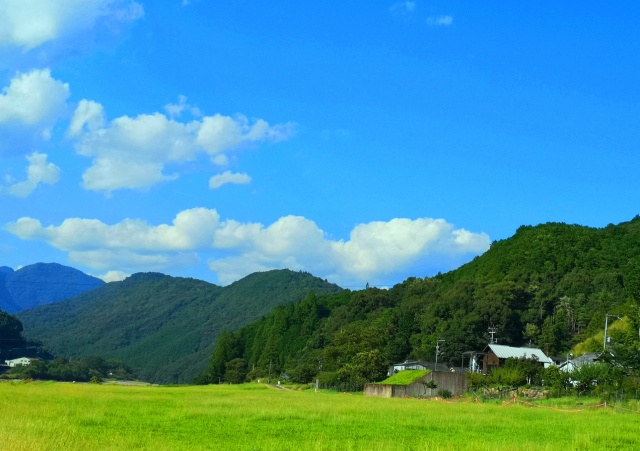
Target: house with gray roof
(585, 359)
(495, 355)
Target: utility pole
(606, 328)
(438, 341)
(492, 333)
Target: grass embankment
(56, 416)
(405, 377)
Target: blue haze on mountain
(41, 283)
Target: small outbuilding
(418, 384)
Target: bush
(444, 393)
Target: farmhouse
(585, 359)
(18, 362)
(418, 384)
(495, 355)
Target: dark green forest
(44, 366)
(162, 327)
(548, 286)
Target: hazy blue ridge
(42, 283)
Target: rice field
(60, 416)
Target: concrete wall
(383, 391)
(456, 383)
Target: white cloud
(191, 229)
(133, 261)
(113, 276)
(89, 116)
(435, 21)
(33, 99)
(176, 109)
(39, 171)
(132, 152)
(373, 253)
(217, 181)
(27, 24)
(403, 8)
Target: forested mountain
(41, 283)
(162, 327)
(549, 285)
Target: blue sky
(364, 142)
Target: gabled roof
(586, 359)
(506, 352)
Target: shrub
(444, 393)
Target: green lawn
(57, 416)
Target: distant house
(495, 355)
(21, 361)
(422, 365)
(418, 384)
(585, 359)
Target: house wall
(490, 360)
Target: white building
(18, 362)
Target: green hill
(162, 327)
(550, 285)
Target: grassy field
(58, 416)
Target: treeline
(548, 286)
(13, 344)
(91, 369)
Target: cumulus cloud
(38, 171)
(30, 106)
(374, 251)
(33, 101)
(435, 21)
(226, 177)
(27, 24)
(113, 276)
(190, 229)
(89, 116)
(132, 152)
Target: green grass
(57, 416)
(405, 377)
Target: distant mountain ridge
(163, 327)
(41, 283)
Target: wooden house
(495, 355)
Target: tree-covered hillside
(41, 283)
(549, 285)
(162, 327)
